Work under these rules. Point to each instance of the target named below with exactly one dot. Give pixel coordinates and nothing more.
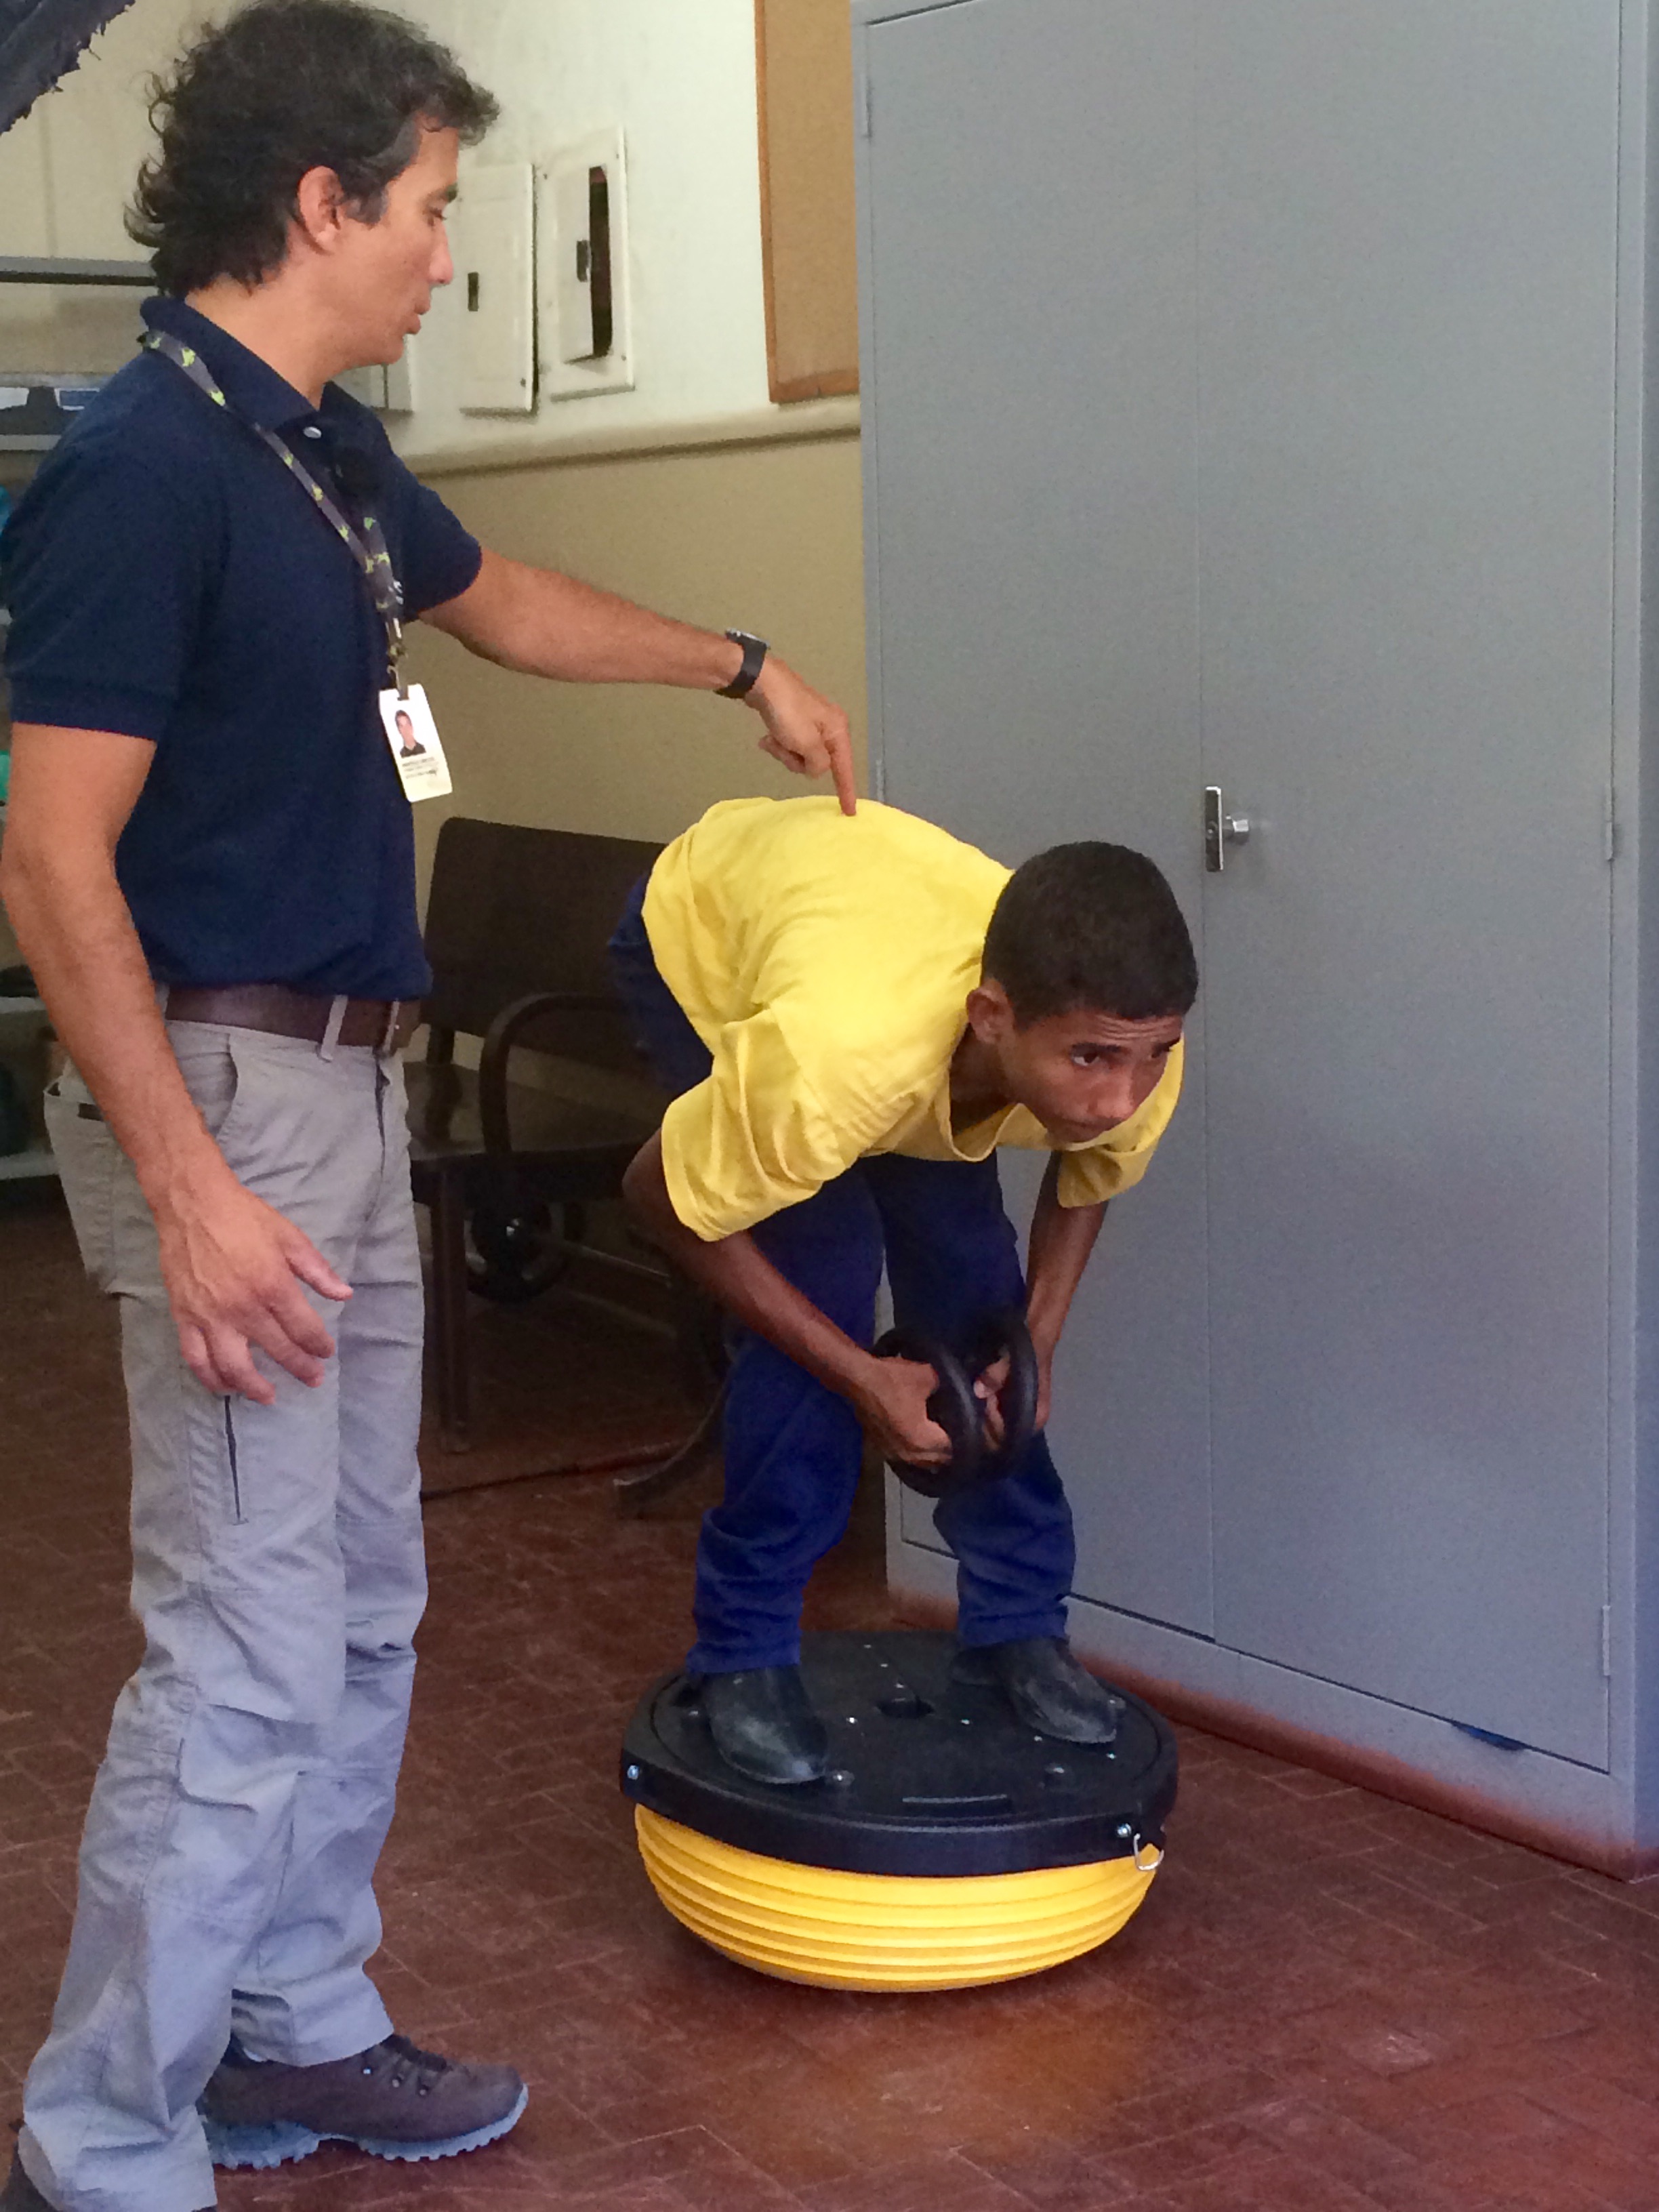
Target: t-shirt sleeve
(1116, 1162)
(105, 572)
(753, 1138)
(440, 556)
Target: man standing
(208, 863)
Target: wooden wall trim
(803, 70)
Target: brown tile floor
(1328, 2003)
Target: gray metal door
(1406, 280)
(1029, 309)
(1242, 378)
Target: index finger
(840, 766)
(292, 1313)
(281, 1323)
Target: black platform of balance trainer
(877, 1876)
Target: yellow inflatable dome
(948, 1844)
(885, 1931)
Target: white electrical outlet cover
(562, 186)
(493, 235)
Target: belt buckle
(386, 1043)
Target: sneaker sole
(279, 2142)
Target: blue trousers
(793, 1449)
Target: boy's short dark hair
(1092, 926)
(284, 87)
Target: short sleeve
(438, 556)
(104, 572)
(751, 1138)
(1116, 1162)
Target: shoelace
(408, 2060)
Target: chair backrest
(514, 910)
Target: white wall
(679, 76)
(83, 141)
(66, 173)
(769, 538)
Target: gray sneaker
(393, 2101)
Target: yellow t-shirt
(826, 961)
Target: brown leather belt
(386, 1025)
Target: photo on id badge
(416, 746)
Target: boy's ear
(990, 1012)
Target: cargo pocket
(232, 1468)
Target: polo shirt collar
(251, 386)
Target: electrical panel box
(401, 381)
(493, 237)
(584, 272)
(390, 390)
(367, 385)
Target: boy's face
(1079, 1073)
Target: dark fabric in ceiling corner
(41, 40)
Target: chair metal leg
(453, 1377)
(633, 1492)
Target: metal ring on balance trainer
(960, 1413)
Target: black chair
(516, 929)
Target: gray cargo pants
(226, 1870)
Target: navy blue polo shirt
(170, 580)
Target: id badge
(416, 745)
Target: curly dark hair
(1093, 925)
(284, 87)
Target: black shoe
(764, 1724)
(19, 2193)
(1046, 1685)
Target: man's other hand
(804, 730)
(993, 1382)
(891, 1402)
(232, 1266)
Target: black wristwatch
(754, 652)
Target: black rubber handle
(952, 1404)
(957, 1408)
(1007, 1333)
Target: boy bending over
(853, 1013)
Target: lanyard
(375, 558)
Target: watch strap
(754, 653)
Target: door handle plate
(1221, 830)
